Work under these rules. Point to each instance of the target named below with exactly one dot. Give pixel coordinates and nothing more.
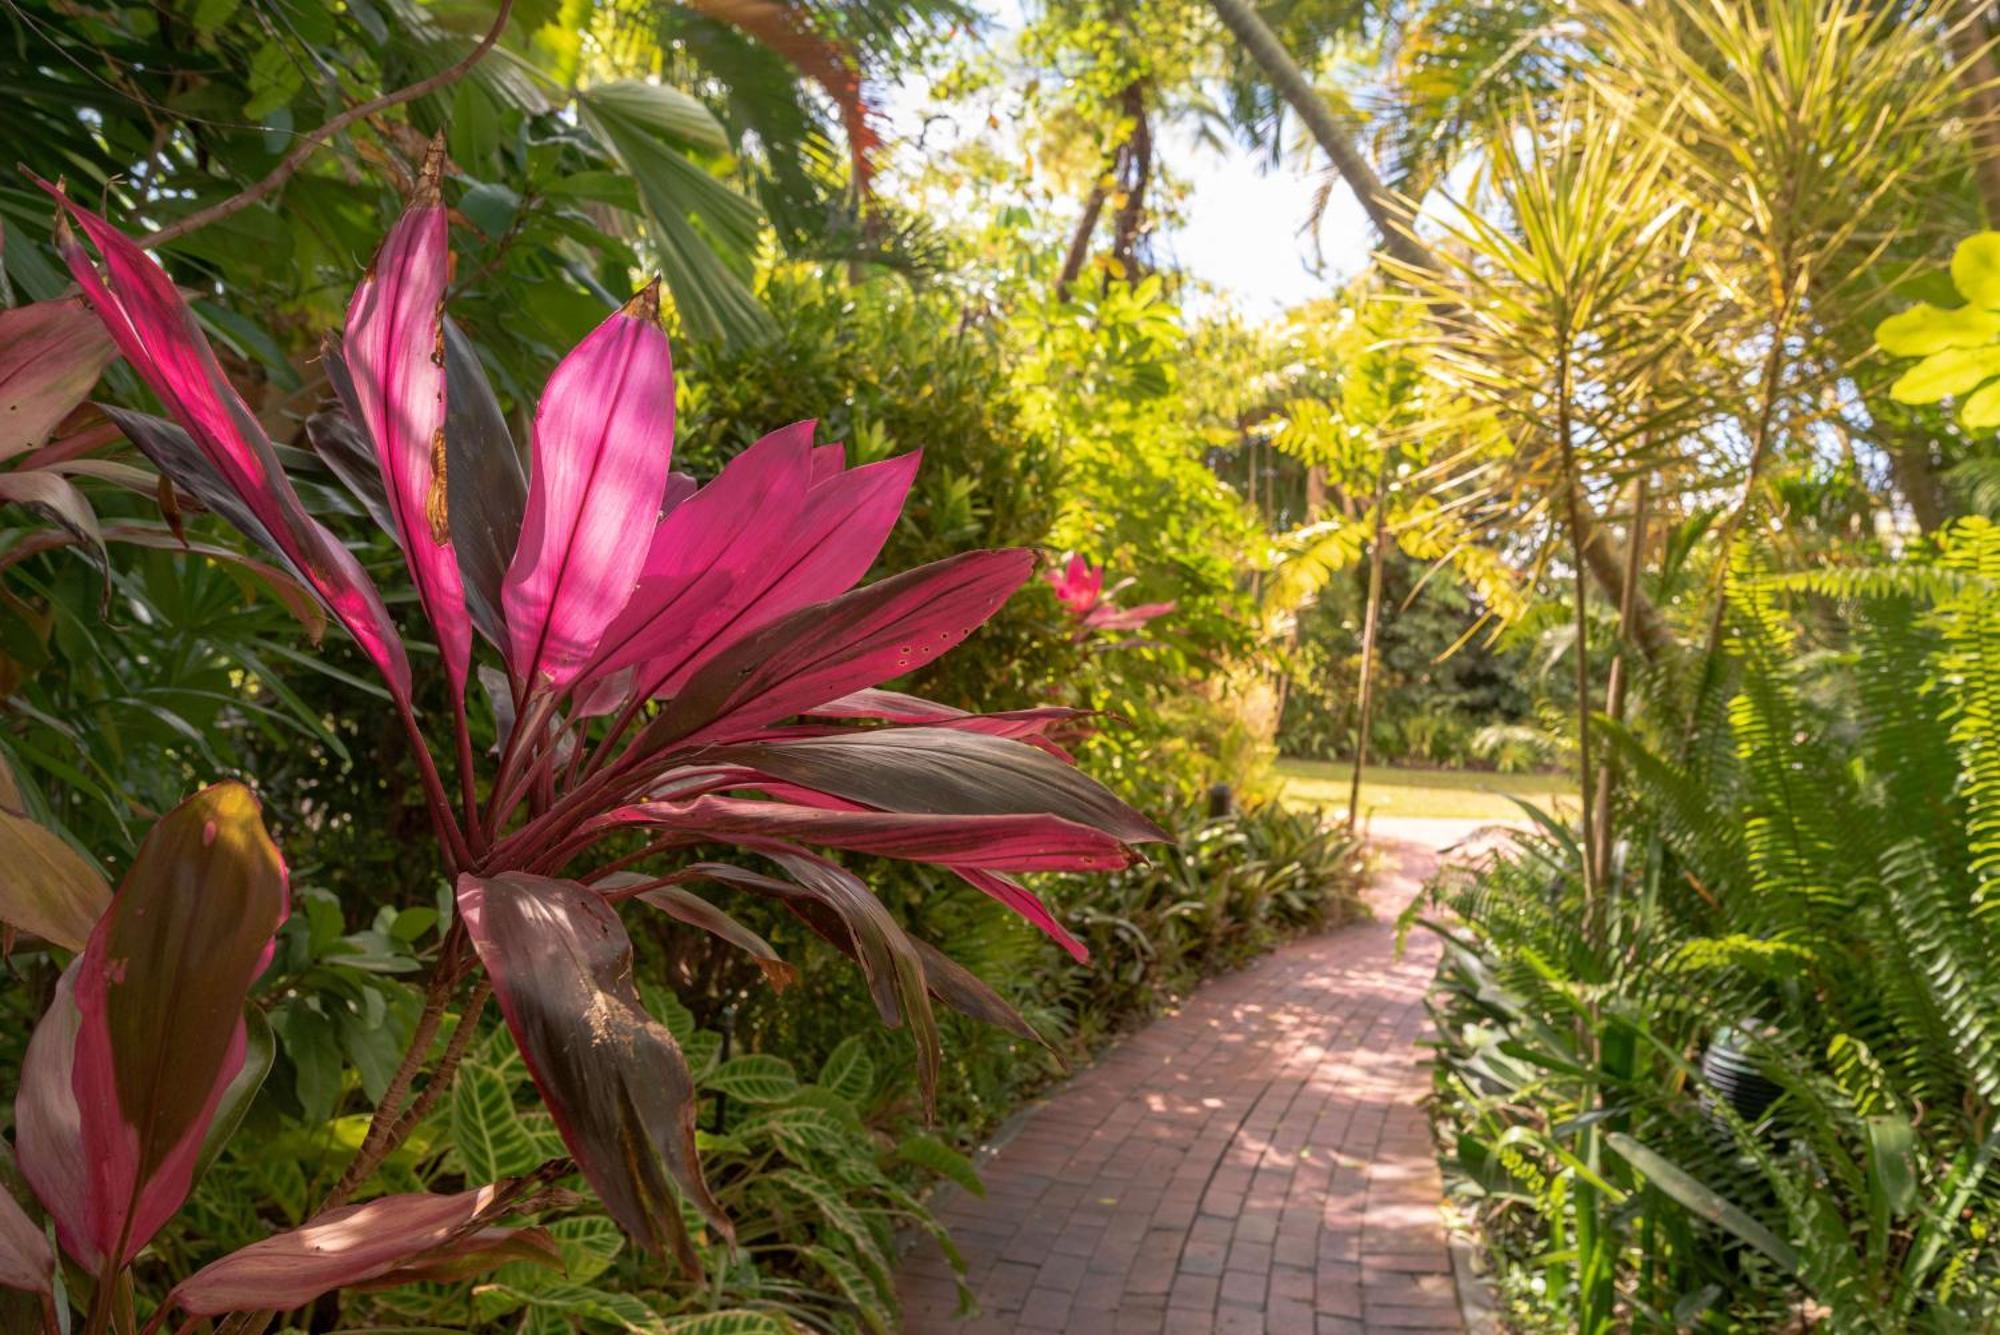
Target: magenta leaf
(712, 555)
(889, 706)
(603, 446)
(612, 1076)
(942, 771)
(1006, 890)
(819, 653)
(394, 348)
(156, 1001)
(999, 843)
(389, 1240)
(48, 1128)
(51, 353)
(485, 489)
(157, 333)
(840, 532)
(25, 1260)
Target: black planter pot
(1733, 1075)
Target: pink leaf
(603, 446)
(349, 1246)
(157, 333)
(48, 1129)
(844, 525)
(394, 350)
(51, 353)
(1026, 903)
(828, 462)
(710, 556)
(998, 843)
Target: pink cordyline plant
(1079, 587)
(690, 664)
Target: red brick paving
(1258, 1162)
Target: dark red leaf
(999, 843)
(612, 1076)
(942, 771)
(822, 652)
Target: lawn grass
(1449, 794)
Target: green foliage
(1806, 889)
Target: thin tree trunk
(1138, 155)
(1364, 709)
(1079, 241)
(1605, 563)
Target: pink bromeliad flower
(1079, 587)
(672, 666)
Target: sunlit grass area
(1444, 794)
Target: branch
(312, 143)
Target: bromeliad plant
(679, 667)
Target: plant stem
(314, 141)
(456, 853)
(447, 1067)
(468, 790)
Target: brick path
(1258, 1161)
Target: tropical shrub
(1763, 1095)
(736, 610)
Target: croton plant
(675, 667)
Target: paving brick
(1259, 1161)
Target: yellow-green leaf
(1953, 371)
(1982, 410)
(1975, 268)
(1925, 329)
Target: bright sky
(1241, 228)
(1240, 231)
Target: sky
(1240, 229)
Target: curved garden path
(1258, 1160)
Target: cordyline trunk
(1600, 555)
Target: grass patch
(1447, 794)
